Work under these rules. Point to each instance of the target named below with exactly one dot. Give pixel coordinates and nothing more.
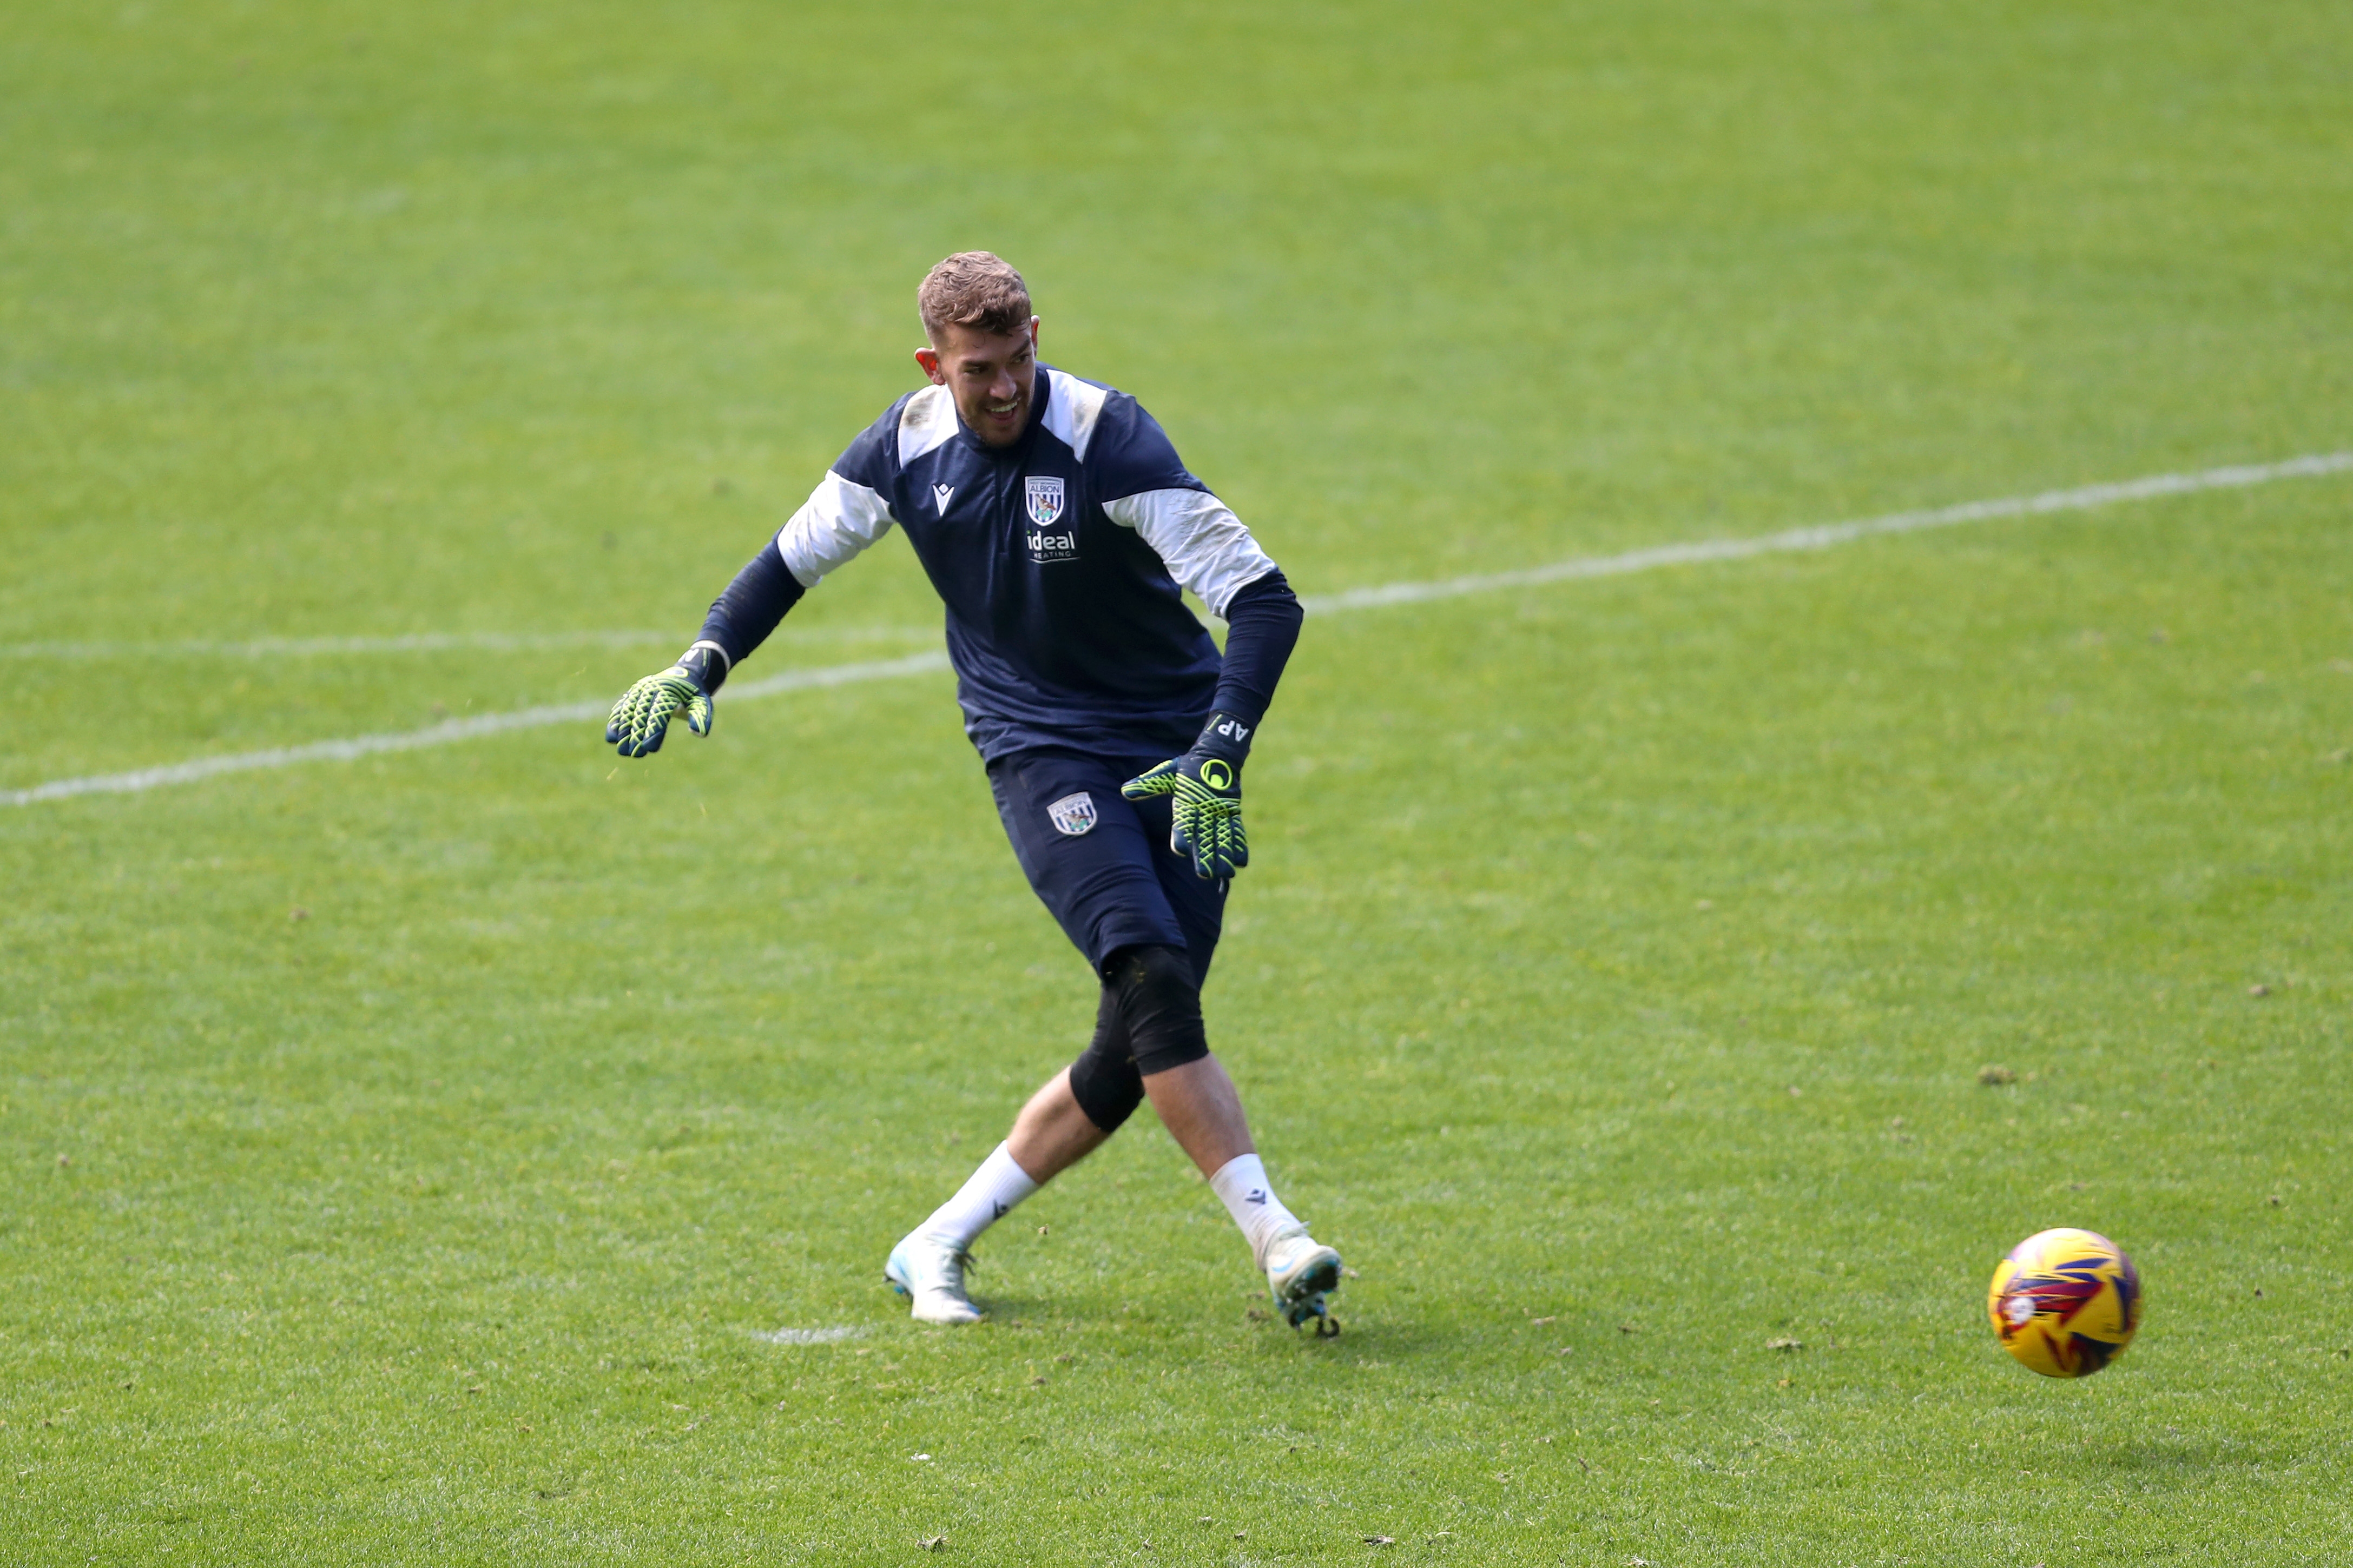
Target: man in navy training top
(1058, 525)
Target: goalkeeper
(1058, 525)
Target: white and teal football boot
(1301, 1272)
(931, 1273)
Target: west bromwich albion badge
(1045, 499)
(1073, 813)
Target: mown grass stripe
(417, 642)
(2081, 498)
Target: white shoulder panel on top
(929, 418)
(1071, 409)
(1204, 545)
(838, 521)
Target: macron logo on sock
(1002, 1208)
(1257, 1195)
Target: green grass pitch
(411, 1160)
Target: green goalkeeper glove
(1204, 787)
(642, 718)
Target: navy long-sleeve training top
(1060, 559)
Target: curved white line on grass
(2083, 498)
(447, 732)
(810, 1336)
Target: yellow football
(2065, 1302)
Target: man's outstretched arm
(841, 520)
(740, 620)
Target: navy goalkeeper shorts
(1101, 863)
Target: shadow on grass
(2182, 1456)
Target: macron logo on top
(941, 494)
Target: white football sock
(986, 1196)
(1249, 1199)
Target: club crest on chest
(1048, 537)
(1045, 497)
(1073, 815)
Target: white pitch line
(446, 732)
(2083, 498)
(811, 1336)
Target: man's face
(990, 375)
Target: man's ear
(929, 358)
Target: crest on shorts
(1073, 813)
(1045, 496)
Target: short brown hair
(974, 289)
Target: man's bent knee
(1159, 1002)
(1104, 1080)
(1149, 1021)
(1106, 1085)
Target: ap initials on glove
(642, 718)
(1204, 791)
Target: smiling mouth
(1001, 411)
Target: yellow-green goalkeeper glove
(1204, 791)
(642, 718)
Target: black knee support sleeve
(1159, 1002)
(1104, 1080)
(1149, 1021)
